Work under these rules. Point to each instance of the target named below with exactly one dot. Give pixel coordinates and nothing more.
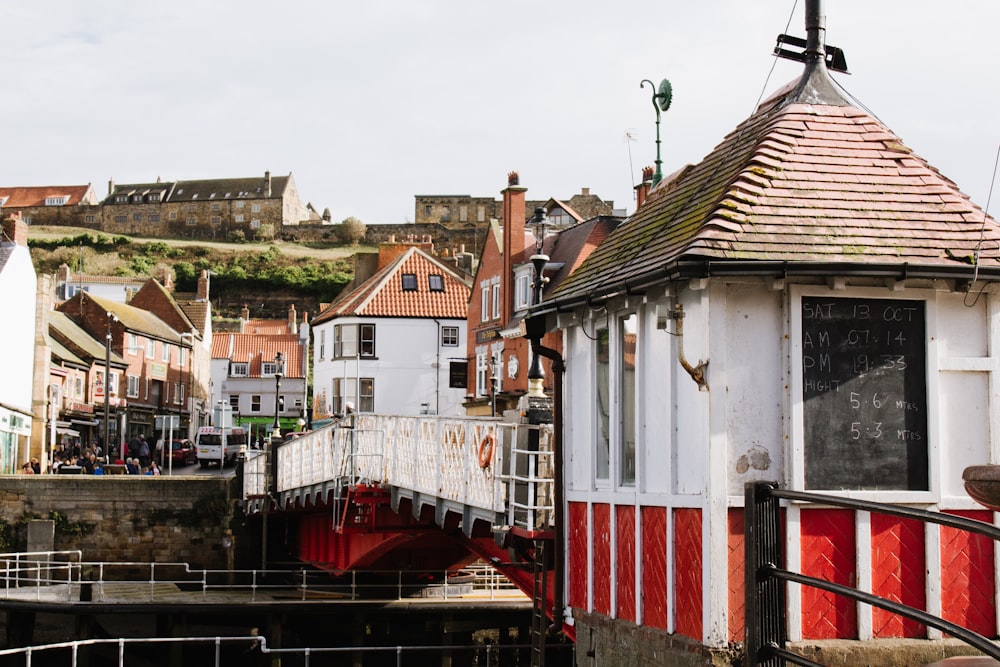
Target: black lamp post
(494, 384)
(278, 368)
(107, 387)
(535, 374)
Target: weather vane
(661, 102)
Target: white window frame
(449, 336)
(484, 301)
(150, 348)
(495, 286)
(133, 386)
(239, 369)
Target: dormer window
(239, 369)
(121, 199)
(57, 200)
(137, 198)
(435, 282)
(154, 196)
(409, 282)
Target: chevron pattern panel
(602, 559)
(654, 567)
(625, 562)
(577, 542)
(736, 567)
(828, 552)
(687, 569)
(898, 567)
(967, 579)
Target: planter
(983, 484)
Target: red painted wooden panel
(737, 604)
(625, 562)
(602, 559)
(654, 566)
(577, 538)
(898, 573)
(687, 572)
(828, 552)
(967, 577)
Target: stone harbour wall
(124, 518)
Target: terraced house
(257, 207)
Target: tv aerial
(662, 96)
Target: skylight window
(435, 282)
(409, 282)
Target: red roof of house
(36, 195)
(800, 185)
(254, 349)
(384, 295)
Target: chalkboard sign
(864, 391)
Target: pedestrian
(36, 466)
(130, 466)
(143, 451)
(153, 468)
(26, 469)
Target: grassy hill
(266, 276)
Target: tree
(351, 231)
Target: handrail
(765, 609)
(103, 582)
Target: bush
(351, 231)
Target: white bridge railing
(497, 471)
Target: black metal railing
(766, 622)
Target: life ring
(486, 448)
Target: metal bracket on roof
(835, 59)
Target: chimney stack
(15, 229)
(267, 184)
(513, 242)
(202, 294)
(642, 190)
(293, 321)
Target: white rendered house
(390, 343)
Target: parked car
(183, 452)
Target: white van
(208, 444)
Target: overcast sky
(370, 103)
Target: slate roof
(809, 183)
(62, 328)
(215, 189)
(254, 349)
(383, 295)
(137, 319)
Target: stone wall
(124, 518)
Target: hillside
(268, 277)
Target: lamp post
(278, 368)
(107, 387)
(535, 374)
(494, 384)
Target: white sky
(371, 102)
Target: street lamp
(107, 386)
(494, 384)
(535, 374)
(278, 368)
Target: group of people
(71, 457)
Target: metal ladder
(539, 620)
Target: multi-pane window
(255, 208)
(178, 392)
(234, 402)
(133, 386)
(56, 201)
(322, 344)
(137, 217)
(255, 403)
(154, 217)
(113, 386)
(628, 339)
(496, 298)
(366, 401)
(522, 291)
(133, 344)
(482, 371)
(239, 369)
(238, 217)
(255, 223)
(346, 339)
(166, 353)
(484, 302)
(150, 348)
(435, 282)
(182, 356)
(603, 400)
(449, 336)
(270, 368)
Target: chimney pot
(513, 178)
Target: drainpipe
(558, 368)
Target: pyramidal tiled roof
(801, 184)
(384, 294)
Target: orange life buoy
(486, 450)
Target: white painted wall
(18, 283)
(410, 367)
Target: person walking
(143, 451)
